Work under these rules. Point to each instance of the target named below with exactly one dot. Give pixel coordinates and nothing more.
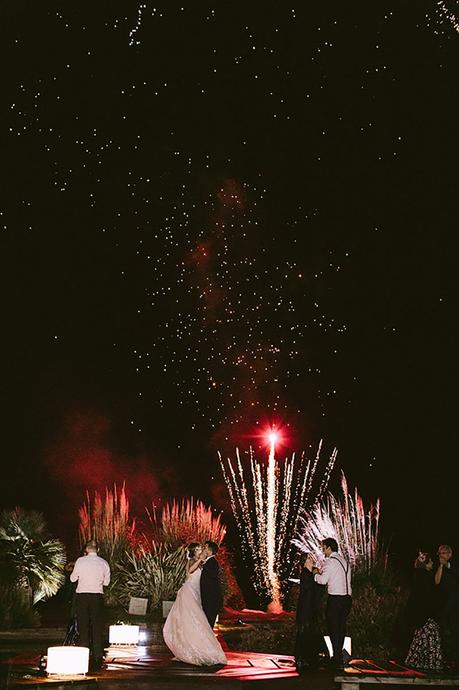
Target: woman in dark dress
(309, 641)
(447, 586)
(425, 649)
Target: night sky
(219, 216)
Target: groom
(211, 588)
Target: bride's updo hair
(191, 550)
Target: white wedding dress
(187, 632)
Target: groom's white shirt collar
(209, 557)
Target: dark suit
(449, 612)
(211, 590)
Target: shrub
(31, 566)
(355, 528)
(377, 602)
(156, 574)
(106, 519)
(15, 610)
(151, 565)
(232, 593)
(186, 521)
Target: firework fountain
(355, 528)
(266, 501)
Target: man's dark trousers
(89, 612)
(338, 608)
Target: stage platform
(362, 673)
(141, 669)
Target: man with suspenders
(336, 574)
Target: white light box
(67, 661)
(123, 634)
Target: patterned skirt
(425, 650)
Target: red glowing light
(272, 436)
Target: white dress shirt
(92, 573)
(336, 575)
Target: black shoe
(304, 667)
(96, 665)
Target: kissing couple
(188, 630)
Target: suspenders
(346, 570)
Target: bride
(186, 631)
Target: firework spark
(445, 14)
(346, 520)
(266, 501)
(271, 521)
(138, 24)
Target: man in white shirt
(336, 574)
(92, 574)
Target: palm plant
(30, 562)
